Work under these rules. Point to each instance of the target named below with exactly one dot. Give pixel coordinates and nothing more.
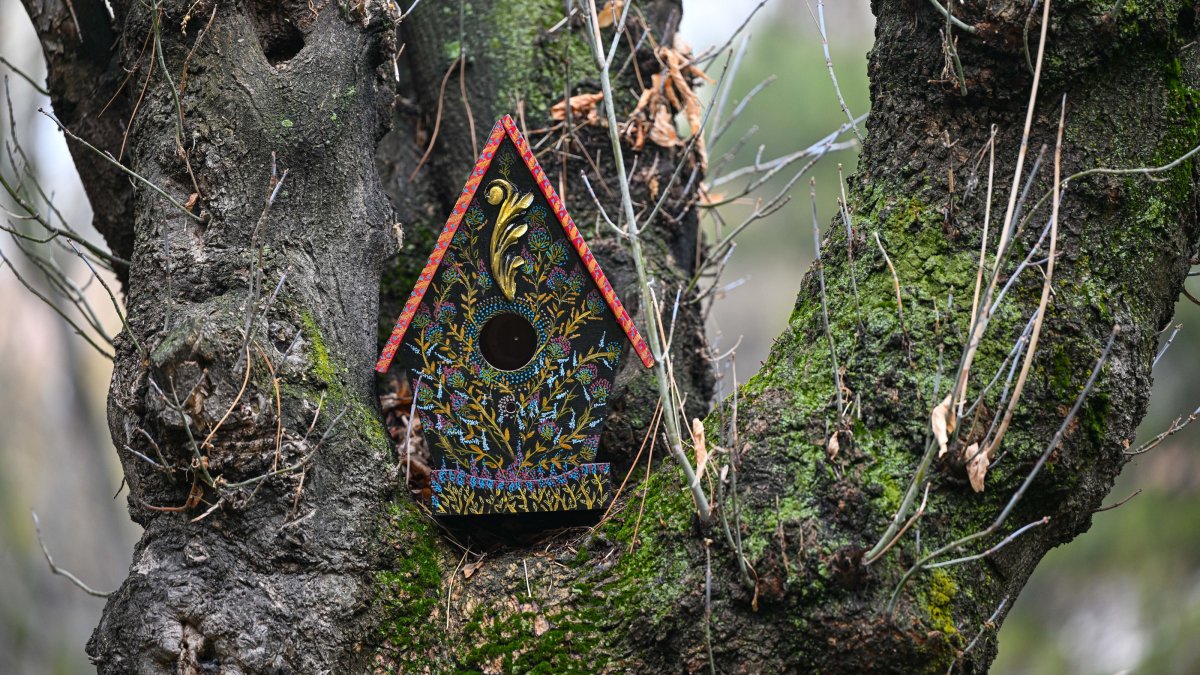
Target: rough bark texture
(343, 576)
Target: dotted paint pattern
(506, 125)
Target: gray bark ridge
(275, 577)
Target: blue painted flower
(449, 274)
(422, 318)
(475, 217)
(558, 252)
(454, 377)
(594, 302)
(445, 312)
(586, 373)
(537, 215)
(599, 390)
(457, 401)
(434, 333)
(547, 430)
(557, 278)
(575, 283)
(539, 239)
(484, 279)
(558, 347)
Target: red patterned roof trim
(440, 248)
(506, 125)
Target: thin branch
(820, 19)
(1176, 426)
(437, 123)
(132, 174)
(957, 22)
(674, 438)
(37, 87)
(816, 227)
(990, 624)
(1037, 327)
(60, 571)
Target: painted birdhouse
(511, 339)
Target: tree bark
(325, 568)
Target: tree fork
(323, 569)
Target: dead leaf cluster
(943, 422)
(669, 93)
(397, 404)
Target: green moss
(1094, 417)
(654, 575)
(513, 27)
(409, 592)
(322, 366)
(938, 601)
(363, 418)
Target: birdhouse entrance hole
(508, 341)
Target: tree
(257, 225)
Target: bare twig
(1120, 503)
(37, 87)
(674, 438)
(990, 624)
(1175, 427)
(437, 122)
(957, 22)
(129, 172)
(1041, 312)
(816, 227)
(60, 571)
(820, 21)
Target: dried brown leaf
(540, 625)
(604, 19)
(939, 421)
(662, 131)
(698, 441)
(977, 466)
(679, 91)
(583, 106)
(708, 198)
(472, 568)
(833, 446)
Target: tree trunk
(320, 564)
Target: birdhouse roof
(507, 126)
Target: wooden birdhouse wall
(512, 387)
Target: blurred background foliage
(1124, 596)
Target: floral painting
(522, 438)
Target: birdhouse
(511, 340)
